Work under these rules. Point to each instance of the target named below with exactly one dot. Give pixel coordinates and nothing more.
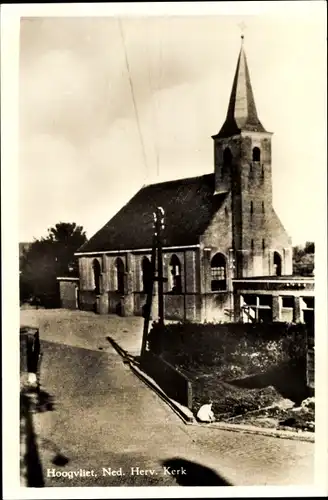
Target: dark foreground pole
(160, 278)
(149, 301)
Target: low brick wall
(174, 307)
(88, 300)
(174, 383)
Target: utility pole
(232, 267)
(157, 254)
(149, 301)
(159, 228)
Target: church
(219, 227)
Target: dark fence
(310, 360)
(174, 383)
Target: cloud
(78, 125)
(49, 169)
(77, 83)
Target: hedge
(235, 347)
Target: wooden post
(230, 278)
(160, 227)
(149, 300)
(156, 251)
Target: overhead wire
(157, 98)
(151, 92)
(153, 77)
(133, 97)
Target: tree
(303, 259)
(66, 238)
(48, 258)
(309, 247)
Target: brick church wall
(256, 230)
(177, 306)
(215, 305)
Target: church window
(256, 154)
(252, 245)
(251, 208)
(146, 275)
(96, 275)
(175, 274)
(227, 157)
(263, 245)
(120, 272)
(263, 208)
(218, 273)
(276, 264)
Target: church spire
(242, 114)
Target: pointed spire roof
(242, 114)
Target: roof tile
(189, 206)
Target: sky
(109, 104)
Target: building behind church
(219, 228)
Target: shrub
(249, 348)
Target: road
(105, 419)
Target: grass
(266, 406)
(242, 371)
(265, 400)
(301, 419)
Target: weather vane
(242, 27)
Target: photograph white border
(10, 25)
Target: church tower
(242, 156)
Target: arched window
(146, 275)
(119, 264)
(96, 275)
(263, 207)
(252, 245)
(218, 272)
(256, 154)
(227, 157)
(251, 209)
(175, 271)
(276, 264)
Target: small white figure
(205, 413)
(32, 379)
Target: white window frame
(219, 273)
(305, 307)
(287, 309)
(256, 307)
